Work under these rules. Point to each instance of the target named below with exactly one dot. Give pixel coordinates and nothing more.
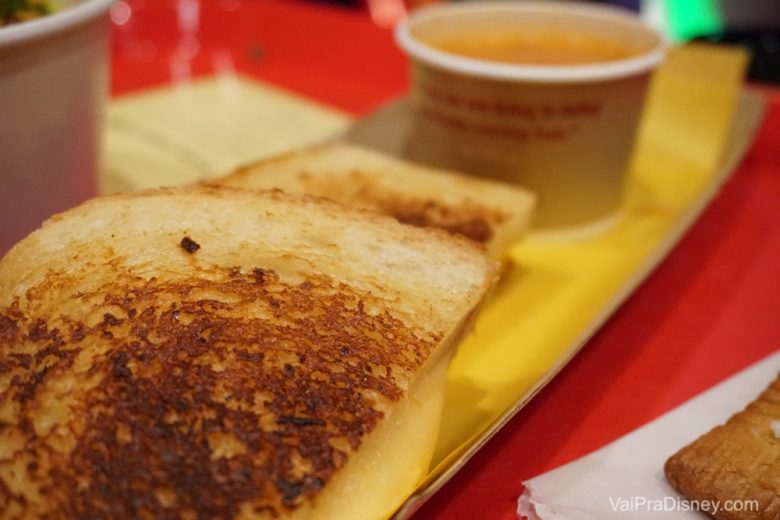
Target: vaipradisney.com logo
(636, 504)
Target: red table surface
(709, 310)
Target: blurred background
(754, 24)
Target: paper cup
(53, 85)
(564, 131)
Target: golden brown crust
(739, 460)
(489, 213)
(283, 379)
(467, 218)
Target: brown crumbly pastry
(218, 353)
(491, 213)
(739, 460)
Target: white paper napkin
(625, 479)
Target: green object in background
(21, 10)
(688, 19)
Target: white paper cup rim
(55, 22)
(602, 71)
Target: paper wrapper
(625, 479)
(556, 295)
(196, 131)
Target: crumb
(189, 245)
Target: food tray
(698, 123)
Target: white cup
(53, 86)
(563, 131)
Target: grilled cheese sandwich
(212, 352)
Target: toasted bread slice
(208, 352)
(490, 213)
(735, 466)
